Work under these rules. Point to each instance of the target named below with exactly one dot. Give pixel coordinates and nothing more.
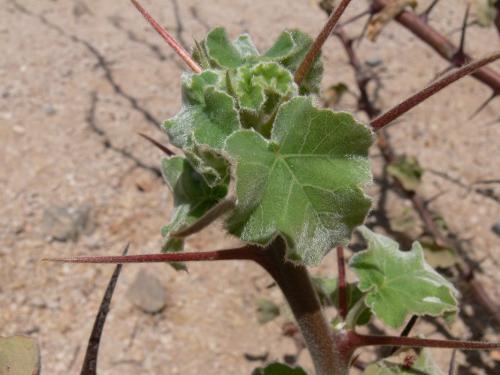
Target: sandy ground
(79, 78)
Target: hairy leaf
(221, 51)
(399, 283)
(304, 183)
(290, 49)
(412, 364)
(278, 369)
(192, 196)
(253, 84)
(208, 114)
(19, 355)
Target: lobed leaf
(304, 183)
(398, 283)
(192, 197)
(289, 50)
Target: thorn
(354, 18)
(425, 14)
(405, 332)
(459, 58)
(178, 49)
(89, 366)
(483, 105)
(246, 252)
(163, 148)
(414, 100)
(315, 49)
(451, 370)
(371, 340)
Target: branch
(369, 340)
(414, 100)
(242, 253)
(420, 28)
(178, 49)
(315, 49)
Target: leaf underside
(398, 283)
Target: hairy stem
(296, 285)
(315, 49)
(414, 100)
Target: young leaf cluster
(247, 130)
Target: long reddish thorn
(315, 49)
(342, 282)
(241, 253)
(179, 50)
(157, 144)
(411, 102)
(357, 341)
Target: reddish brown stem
(419, 27)
(436, 86)
(242, 253)
(315, 49)
(174, 44)
(357, 340)
(342, 282)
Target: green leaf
(407, 171)
(305, 183)
(290, 49)
(192, 196)
(327, 289)
(224, 53)
(398, 283)
(173, 245)
(279, 369)
(266, 310)
(423, 364)
(245, 46)
(254, 84)
(19, 355)
(208, 115)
